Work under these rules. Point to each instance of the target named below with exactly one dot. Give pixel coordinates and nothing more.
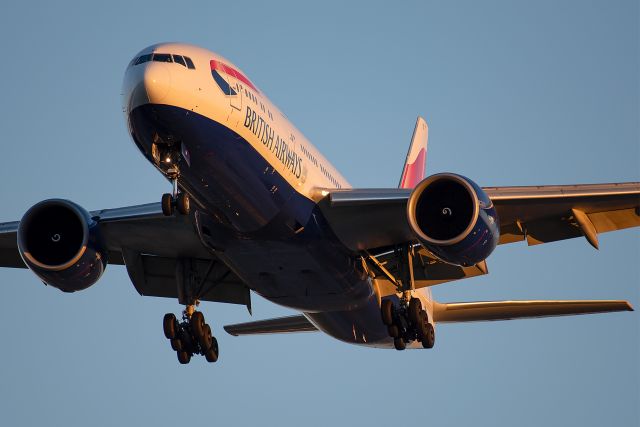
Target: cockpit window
(179, 60)
(143, 58)
(185, 61)
(162, 57)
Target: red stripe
(219, 66)
(414, 172)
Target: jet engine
(61, 244)
(454, 219)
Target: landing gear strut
(190, 336)
(175, 200)
(407, 322)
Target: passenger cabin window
(179, 60)
(162, 57)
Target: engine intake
(61, 244)
(454, 219)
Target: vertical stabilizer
(414, 166)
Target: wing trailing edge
(280, 325)
(509, 310)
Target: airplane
(254, 206)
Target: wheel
(394, 331)
(206, 339)
(399, 343)
(212, 354)
(386, 310)
(169, 326)
(429, 339)
(167, 204)
(183, 357)
(415, 307)
(183, 203)
(197, 324)
(422, 327)
(176, 344)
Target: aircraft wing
(153, 247)
(374, 219)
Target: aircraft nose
(157, 81)
(145, 83)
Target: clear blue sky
(515, 93)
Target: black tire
(394, 331)
(422, 327)
(206, 339)
(429, 339)
(167, 204)
(386, 310)
(213, 352)
(415, 307)
(184, 357)
(197, 325)
(183, 203)
(399, 343)
(176, 345)
(169, 324)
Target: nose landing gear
(179, 202)
(190, 336)
(407, 322)
(175, 200)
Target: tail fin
(414, 166)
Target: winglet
(414, 165)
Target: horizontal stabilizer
(507, 310)
(280, 325)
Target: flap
(203, 279)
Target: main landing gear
(175, 200)
(190, 336)
(407, 322)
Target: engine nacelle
(61, 244)
(454, 219)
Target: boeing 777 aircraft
(256, 207)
